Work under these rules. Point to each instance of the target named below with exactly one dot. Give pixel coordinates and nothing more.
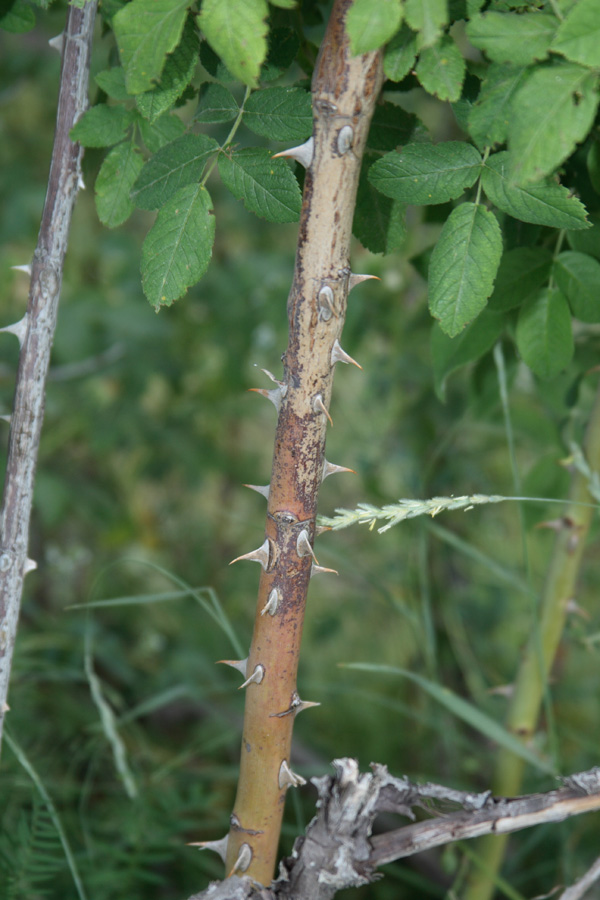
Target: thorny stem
(44, 292)
(540, 652)
(344, 91)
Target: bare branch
(581, 887)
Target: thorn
(296, 706)
(321, 570)
(321, 529)
(80, 182)
(5, 419)
(272, 377)
(30, 566)
(332, 469)
(5, 708)
(260, 489)
(256, 677)
(219, 847)
(243, 861)
(344, 139)
(303, 546)
(326, 303)
(19, 329)
(261, 555)
(287, 778)
(275, 396)
(303, 153)
(240, 664)
(271, 604)
(57, 43)
(339, 355)
(358, 279)
(26, 269)
(304, 704)
(319, 406)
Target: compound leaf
(427, 17)
(266, 186)
(102, 126)
(179, 163)
(578, 37)
(280, 113)
(178, 72)
(515, 38)
(489, 115)
(216, 105)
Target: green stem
(228, 139)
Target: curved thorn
(19, 329)
(57, 43)
(256, 677)
(30, 566)
(321, 570)
(80, 182)
(261, 555)
(243, 861)
(319, 406)
(321, 529)
(332, 469)
(275, 396)
(26, 269)
(303, 153)
(219, 847)
(303, 546)
(358, 279)
(240, 664)
(287, 778)
(260, 489)
(339, 355)
(5, 419)
(272, 603)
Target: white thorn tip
(30, 566)
(301, 705)
(321, 570)
(303, 153)
(256, 677)
(219, 847)
(26, 269)
(243, 860)
(240, 664)
(260, 489)
(287, 778)
(57, 42)
(19, 329)
(5, 419)
(262, 555)
(332, 469)
(271, 604)
(303, 546)
(320, 407)
(80, 182)
(358, 279)
(339, 355)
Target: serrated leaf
(216, 104)
(280, 113)
(400, 54)
(163, 131)
(544, 336)
(178, 247)
(578, 37)
(489, 115)
(515, 38)
(236, 30)
(578, 277)
(552, 111)
(390, 126)
(146, 30)
(427, 17)
(370, 25)
(19, 18)
(449, 354)
(266, 186)
(115, 178)
(102, 126)
(521, 273)
(283, 49)
(427, 173)
(441, 69)
(545, 203)
(463, 266)
(213, 64)
(379, 223)
(175, 165)
(178, 72)
(112, 82)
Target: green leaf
(115, 179)
(552, 111)
(464, 710)
(390, 126)
(19, 19)
(428, 17)
(284, 44)
(266, 186)
(515, 38)
(545, 203)
(178, 72)
(216, 105)
(427, 173)
(441, 69)
(463, 266)
(578, 37)
(175, 165)
(236, 30)
(578, 277)
(280, 113)
(112, 82)
(146, 30)
(213, 64)
(370, 25)
(178, 247)
(379, 223)
(449, 354)
(587, 241)
(400, 54)
(521, 273)
(544, 336)
(593, 165)
(163, 131)
(102, 126)
(489, 115)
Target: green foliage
(114, 183)
(146, 31)
(266, 186)
(236, 30)
(369, 26)
(544, 334)
(427, 173)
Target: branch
(337, 850)
(36, 331)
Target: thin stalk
(344, 90)
(539, 654)
(37, 331)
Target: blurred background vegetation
(150, 434)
